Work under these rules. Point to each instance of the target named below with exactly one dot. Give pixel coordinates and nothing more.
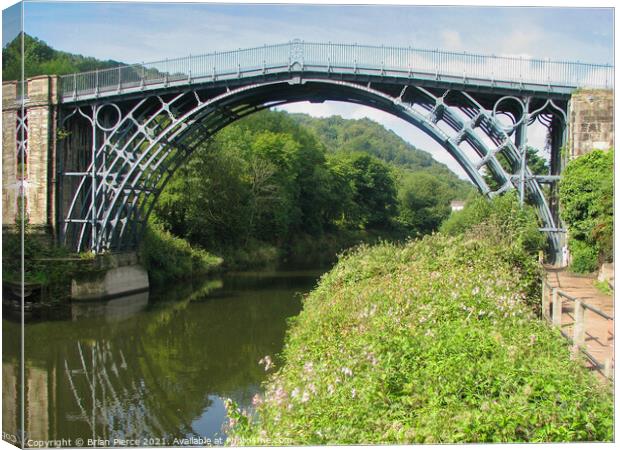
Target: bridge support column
(28, 138)
(11, 108)
(591, 122)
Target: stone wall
(591, 121)
(40, 111)
(10, 182)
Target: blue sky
(135, 32)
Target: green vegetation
(519, 226)
(433, 341)
(45, 264)
(41, 59)
(586, 199)
(535, 163)
(263, 185)
(168, 258)
(603, 286)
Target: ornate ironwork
(133, 156)
(138, 136)
(21, 184)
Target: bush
(45, 263)
(168, 258)
(586, 199)
(584, 256)
(428, 342)
(507, 218)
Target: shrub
(167, 257)
(508, 219)
(432, 341)
(584, 256)
(586, 199)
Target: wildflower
(295, 393)
(267, 362)
(257, 400)
(308, 367)
(305, 397)
(353, 393)
(348, 372)
(330, 389)
(312, 388)
(532, 339)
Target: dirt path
(599, 339)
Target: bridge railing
(299, 55)
(553, 311)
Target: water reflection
(158, 368)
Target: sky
(142, 32)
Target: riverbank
(433, 341)
(303, 250)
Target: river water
(151, 368)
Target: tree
(373, 190)
(586, 205)
(424, 202)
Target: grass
(603, 287)
(435, 341)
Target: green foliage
(424, 202)
(536, 164)
(505, 214)
(41, 59)
(431, 342)
(370, 191)
(168, 258)
(46, 264)
(586, 200)
(270, 177)
(603, 286)
(584, 256)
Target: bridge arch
(137, 145)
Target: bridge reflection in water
(155, 368)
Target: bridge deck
(419, 65)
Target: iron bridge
(126, 130)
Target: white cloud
(451, 40)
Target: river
(151, 367)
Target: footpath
(581, 305)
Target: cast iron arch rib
(156, 134)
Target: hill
(365, 135)
(41, 59)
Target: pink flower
(257, 400)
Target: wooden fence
(552, 310)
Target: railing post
(120, 84)
(96, 82)
(610, 354)
(557, 307)
(544, 301)
(74, 85)
(579, 327)
(189, 69)
(166, 73)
